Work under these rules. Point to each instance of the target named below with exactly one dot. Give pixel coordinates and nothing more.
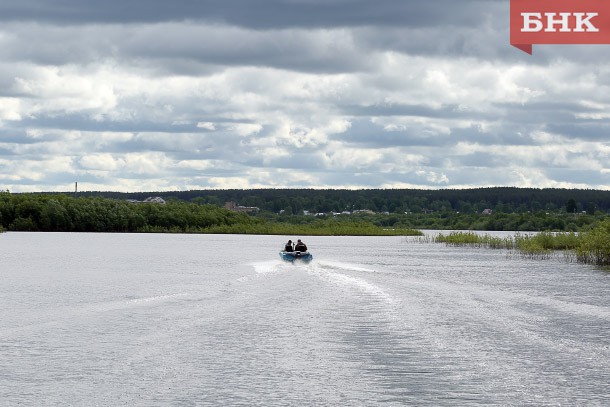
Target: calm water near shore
(161, 319)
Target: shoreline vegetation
(63, 213)
(588, 247)
(587, 238)
(273, 211)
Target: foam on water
(269, 266)
(331, 271)
(335, 265)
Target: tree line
(295, 201)
(95, 213)
(63, 213)
(495, 222)
(66, 213)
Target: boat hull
(292, 257)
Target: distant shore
(69, 213)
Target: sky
(151, 95)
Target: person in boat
(288, 247)
(300, 246)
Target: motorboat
(295, 256)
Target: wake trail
(86, 310)
(352, 286)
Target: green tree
(571, 206)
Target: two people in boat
(298, 247)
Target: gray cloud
(582, 130)
(147, 95)
(263, 14)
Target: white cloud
(206, 125)
(245, 129)
(198, 165)
(103, 162)
(27, 171)
(10, 108)
(66, 90)
(433, 177)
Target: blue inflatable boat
(292, 257)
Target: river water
(219, 320)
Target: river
(211, 320)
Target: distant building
(154, 199)
(486, 212)
(149, 200)
(366, 211)
(232, 206)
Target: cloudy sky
(151, 95)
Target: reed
(594, 245)
(475, 240)
(591, 247)
(338, 229)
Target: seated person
(300, 246)
(288, 247)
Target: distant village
(233, 206)
(149, 200)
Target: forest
(295, 201)
(66, 213)
(313, 212)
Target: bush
(24, 224)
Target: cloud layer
(148, 95)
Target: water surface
(157, 319)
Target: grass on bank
(595, 245)
(321, 228)
(589, 247)
(474, 240)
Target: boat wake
(79, 311)
(330, 265)
(266, 267)
(339, 274)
